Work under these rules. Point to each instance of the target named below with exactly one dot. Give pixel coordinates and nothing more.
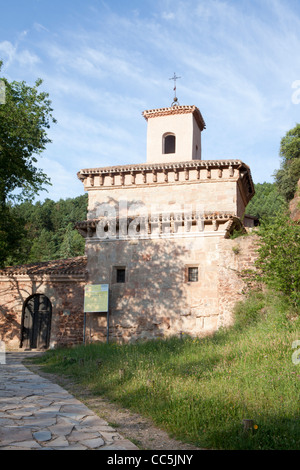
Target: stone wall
(213, 186)
(235, 257)
(64, 289)
(156, 299)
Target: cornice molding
(191, 164)
(171, 111)
(235, 170)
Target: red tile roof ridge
(76, 265)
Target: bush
(279, 257)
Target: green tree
(25, 117)
(47, 230)
(279, 257)
(267, 202)
(289, 173)
(12, 237)
(43, 248)
(72, 243)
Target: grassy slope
(200, 390)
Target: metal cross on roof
(175, 97)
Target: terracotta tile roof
(176, 110)
(224, 163)
(75, 265)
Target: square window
(192, 274)
(120, 278)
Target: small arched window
(169, 143)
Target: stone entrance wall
(62, 282)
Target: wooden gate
(36, 324)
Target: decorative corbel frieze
(215, 225)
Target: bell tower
(174, 134)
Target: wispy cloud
(12, 53)
(104, 65)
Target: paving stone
(72, 447)
(42, 422)
(50, 409)
(63, 427)
(42, 435)
(20, 413)
(75, 408)
(10, 434)
(94, 443)
(59, 442)
(93, 421)
(27, 444)
(37, 414)
(19, 447)
(6, 422)
(111, 436)
(77, 436)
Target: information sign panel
(96, 298)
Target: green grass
(200, 390)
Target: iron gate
(36, 324)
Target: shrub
(279, 257)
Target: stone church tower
(155, 232)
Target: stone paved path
(37, 414)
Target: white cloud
(12, 53)
(63, 181)
(168, 15)
(236, 64)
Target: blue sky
(105, 62)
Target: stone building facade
(157, 233)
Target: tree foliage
(279, 256)
(25, 118)
(267, 202)
(48, 230)
(289, 173)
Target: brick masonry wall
(66, 297)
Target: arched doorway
(36, 322)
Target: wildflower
(255, 426)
